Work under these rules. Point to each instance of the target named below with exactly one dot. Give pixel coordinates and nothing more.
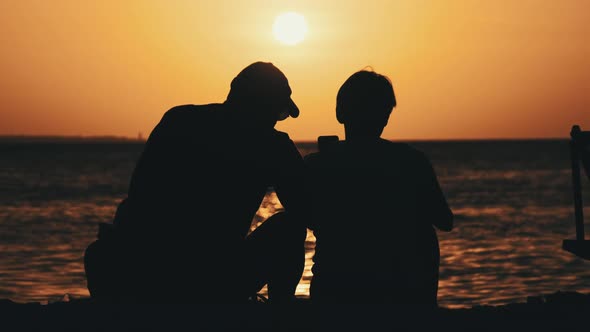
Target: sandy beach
(560, 311)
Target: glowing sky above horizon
(460, 68)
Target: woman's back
(374, 243)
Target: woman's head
(365, 101)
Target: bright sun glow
(290, 28)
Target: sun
(290, 28)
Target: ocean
(512, 200)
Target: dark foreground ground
(554, 312)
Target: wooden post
(579, 212)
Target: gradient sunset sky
(460, 68)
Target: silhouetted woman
(375, 205)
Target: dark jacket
(374, 207)
(194, 192)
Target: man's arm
(290, 185)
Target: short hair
(365, 95)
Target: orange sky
(460, 68)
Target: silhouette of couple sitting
(181, 234)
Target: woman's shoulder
(405, 150)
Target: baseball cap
(263, 82)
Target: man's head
(262, 91)
(364, 102)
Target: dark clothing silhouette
(374, 206)
(181, 233)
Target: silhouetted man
(181, 233)
(374, 206)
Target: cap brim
(293, 109)
(290, 110)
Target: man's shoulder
(184, 118)
(282, 145)
(312, 158)
(281, 135)
(280, 138)
(190, 109)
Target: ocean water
(512, 201)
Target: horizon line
(115, 138)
